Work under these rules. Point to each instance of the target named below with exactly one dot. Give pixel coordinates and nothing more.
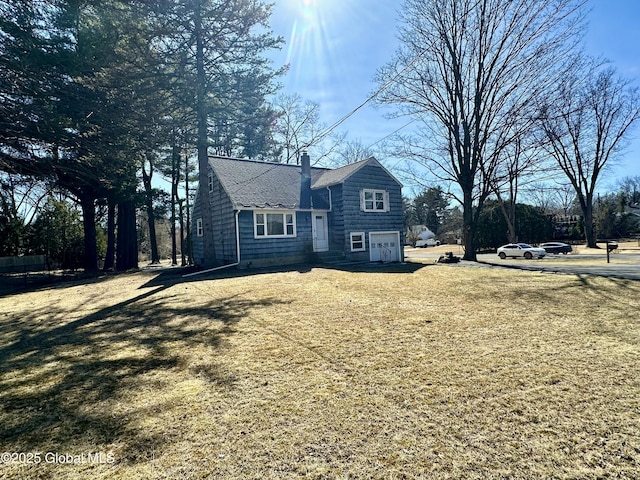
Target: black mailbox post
(611, 246)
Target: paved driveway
(622, 265)
(594, 265)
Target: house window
(375, 201)
(276, 224)
(210, 182)
(199, 231)
(357, 242)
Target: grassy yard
(418, 371)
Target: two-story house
(274, 214)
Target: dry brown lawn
(405, 372)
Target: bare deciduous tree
(351, 151)
(471, 71)
(298, 128)
(551, 197)
(629, 188)
(586, 128)
(517, 164)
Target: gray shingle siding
(320, 199)
(248, 185)
(299, 247)
(223, 224)
(335, 220)
(356, 220)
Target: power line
(351, 113)
(371, 97)
(393, 133)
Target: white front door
(320, 235)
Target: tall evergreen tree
(209, 46)
(90, 89)
(429, 208)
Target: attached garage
(384, 246)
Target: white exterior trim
(317, 247)
(364, 245)
(284, 214)
(396, 249)
(374, 193)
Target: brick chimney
(305, 181)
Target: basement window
(357, 242)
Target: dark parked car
(556, 247)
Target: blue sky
(334, 48)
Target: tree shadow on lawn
(67, 384)
(172, 276)
(11, 284)
(167, 276)
(607, 288)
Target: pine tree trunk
(87, 202)
(202, 142)
(151, 217)
(127, 242)
(183, 248)
(175, 177)
(187, 242)
(109, 260)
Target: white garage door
(384, 246)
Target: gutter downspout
(237, 239)
(223, 266)
(330, 201)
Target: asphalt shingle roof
(251, 183)
(339, 175)
(255, 184)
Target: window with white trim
(357, 242)
(199, 230)
(274, 224)
(210, 182)
(374, 200)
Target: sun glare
(307, 31)
(319, 34)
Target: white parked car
(520, 250)
(429, 242)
